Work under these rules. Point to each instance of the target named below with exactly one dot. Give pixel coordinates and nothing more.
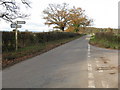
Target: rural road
(72, 65)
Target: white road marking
(100, 70)
(90, 76)
(91, 84)
(88, 45)
(88, 49)
(89, 67)
(104, 84)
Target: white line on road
(88, 48)
(91, 84)
(100, 71)
(90, 76)
(89, 67)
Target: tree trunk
(62, 28)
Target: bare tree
(57, 14)
(10, 10)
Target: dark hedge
(29, 38)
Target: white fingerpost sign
(15, 25)
(21, 22)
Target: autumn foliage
(63, 17)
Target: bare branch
(11, 10)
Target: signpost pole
(16, 39)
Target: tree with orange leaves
(61, 16)
(78, 18)
(57, 14)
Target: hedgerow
(29, 38)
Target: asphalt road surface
(72, 65)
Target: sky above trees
(103, 12)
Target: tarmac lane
(73, 65)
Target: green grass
(106, 40)
(23, 52)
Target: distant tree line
(87, 30)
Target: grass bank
(106, 40)
(13, 57)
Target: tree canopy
(57, 14)
(78, 18)
(63, 17)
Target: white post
(16, 39)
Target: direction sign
(21, 22)
(15, 26)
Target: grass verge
(106, 40)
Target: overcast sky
(103, 12)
